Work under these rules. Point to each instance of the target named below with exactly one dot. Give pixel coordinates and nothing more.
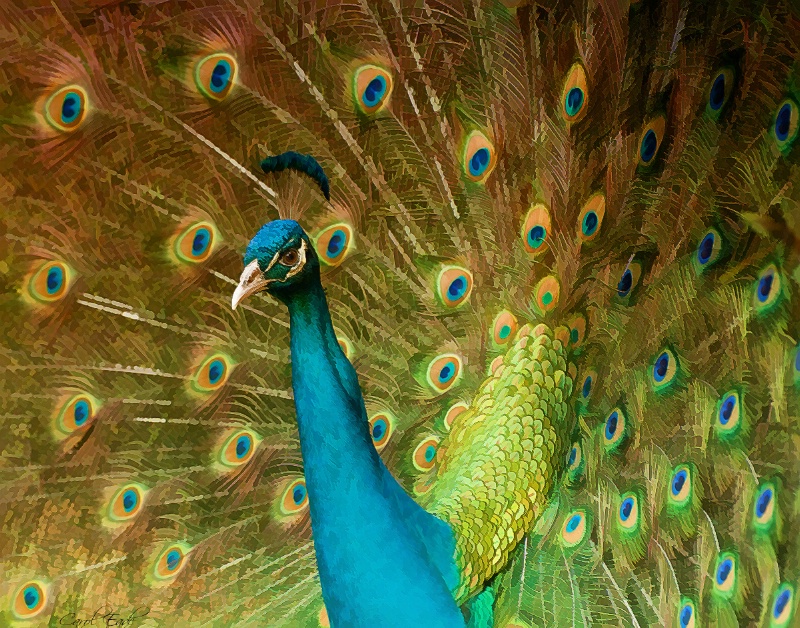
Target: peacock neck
(366, 530)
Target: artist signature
(105, 617)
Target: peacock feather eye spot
(686, 615)
(724, 571)
(536, 236)
(614, 430)
(768, 289)
(575, 94)
(729, 414)
(75, 413)
(126, 503)
(381, 427)
(709, 250)
(782, 605)
(574, 529)
(782, 121)
(665, 369)
(238, 448)
(786, 124)
(195, 244)
(680, 485)
(30, 599)
(591, 217)
(649, 145)
(424, 456)
(717, 96)
(650, 141)
(212, 374)
(443, 372)
(504, 327)
(49, 283)
(589, 223)
(725, 575)
(372, 87)
(479, 157)
(546, 294)
(764, 507)
(215, 75)
(294, 499)
(333, 243)
(629, 511)
(65, 110)
(573, 456)
(573, 102)
(586, 389)
(171, 561)
(625, 283)
(535, 229)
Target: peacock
(434, 313)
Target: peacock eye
(289, 257)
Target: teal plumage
(558, 243)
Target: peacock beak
(251, 281)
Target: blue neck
(382, 559)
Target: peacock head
(279, 259)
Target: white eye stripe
(301, 252)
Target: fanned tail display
(559, 243)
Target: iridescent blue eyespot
(589, 223)
(705, 249)
(31, 597)
(573, 101)
(724, 571)
(130, 499)
(243, 444)
(625, 283)
(611, 425)
(55, 280)
(479, 161)
(457, 288)
(573, 455)
(444, 371)
(173, 559)
(586, 390)
(70, 107)
(81, 412)
(726, 409)
(337, 243)
(29, 601)
(661, 367)
(781, 602)
(536, 236)
(215, 371)
(65, 110)
(783, 122)
(686, 614)
(479, 156)
(783, 606)
(374, 91)
(764, 287)
(626, 508)
(214, 75)
(717, 96)
(378, 429)
(299, 494)
(201, 241)
(763, 501)
(649, 146)
(294, 499)
(678, 482)
(574, 522)
(220, 76)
